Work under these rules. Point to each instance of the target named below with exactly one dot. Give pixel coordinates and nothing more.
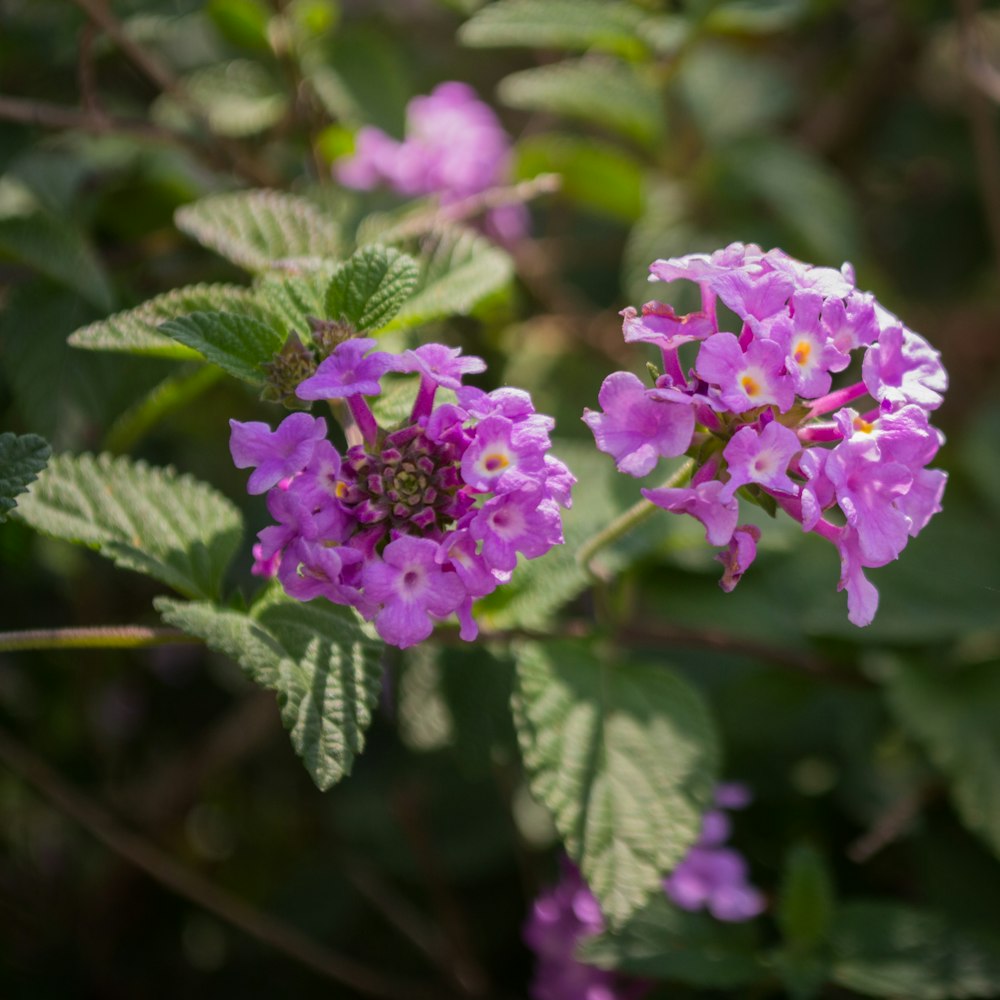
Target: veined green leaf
(237, 344)
(154, 521)
(59, 251)
(22, 457)
(556, 24)
(608, 92)
(664, 942)
(952, 713)
(624, 755)
(371, 287)
(461, 270)
(294, 299)
(324, 668)
(136, 331)
(260, 230)
(882, 949)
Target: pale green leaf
(556, 24)
(154, 521)
(756, 17)
(22, 457)
(324, 668)
(237, 344)
(371, 287)
(260, 230)
(136, 331)
(624, 756)
(237, 98)
(665, 943)
(459, 271)
(883, 949)
(953, 714)
(610, 93)
(59, 251)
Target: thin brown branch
(893, 823)
(161, 76)
(199, 890)
(46, 115)
(95, 637)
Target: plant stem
(99, 637)
(626, 521)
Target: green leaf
(324, 668)
(154, 521)
(953, 713)
(732, 92)
(556, 24)
(260, 230)
(461, 270)
(882, 949)
(371, 287)
(238, 98)
(59, 251)
(136, 331)
(624, 755)
(242, 22)
(756, 17)
(294, 299)
(805, 904)
(663, 942)
(607, 92)
(22, 457)
(597, 176)
(237, 344)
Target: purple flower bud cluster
(455, 147)
(414, 523)
(759, 413)
(710, 876)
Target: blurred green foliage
(838, 131)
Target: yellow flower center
(750, 386)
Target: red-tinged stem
(835, 400)
(364, 418)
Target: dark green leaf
(237, 344)
(624, 755)
(136, 331)
(22, 457)
(324, 668)
(371, 287)
(171, 527)
(805, 904)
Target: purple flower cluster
(455, 147)
(759, 413)
(562, 917)
(414, 523)
(710, 876)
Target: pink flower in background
(454, 147)
(768, 424)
